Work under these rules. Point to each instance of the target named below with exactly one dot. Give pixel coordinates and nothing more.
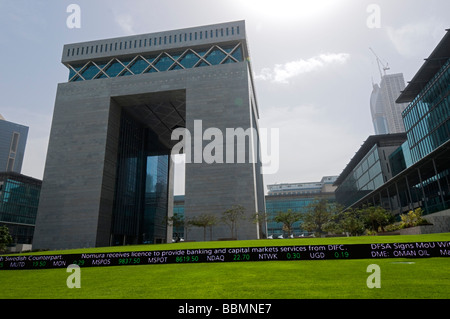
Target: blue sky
(311, 61)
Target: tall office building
(108, 177)
(386, 113)
(13, 139)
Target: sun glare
(289, 10)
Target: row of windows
(437, 82)
(434, 118)
(369, 160)
(272, 207)
(296, 192)
(367, 174)
(18, 202)
(14, 189)
(427, 117)
(296, 205)
(431, 141)
(364, 178)
(432, 112)
(154, 41)
(18, 214)
(161, 62)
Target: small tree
(204, 221)
(5, 237)
(412, 218)
(231, 217)
(318, 216)
(376, 217)
(352, 222)
(288, 219)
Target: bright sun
(283, 10)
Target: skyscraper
(386, 114)
(13, 139)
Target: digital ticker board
(242, 254)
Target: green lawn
(400, 278)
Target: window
(14, 142)
(205, 56)
(10, 165)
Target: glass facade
(156, 199)
(19, 200)
(178, 208)
(400, 159)
(363, 179)
(158, 62)
(276, 204)
(141, 200)
(427, 118)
